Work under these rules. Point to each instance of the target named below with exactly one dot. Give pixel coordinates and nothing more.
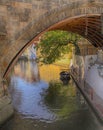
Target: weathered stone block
(1, 92)
(6, 109)
(25, 15)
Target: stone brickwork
(6, 109)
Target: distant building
(29, 53)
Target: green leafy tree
(54, 44)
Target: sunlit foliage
(54, 44)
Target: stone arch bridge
(23, 21)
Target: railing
(88, 50)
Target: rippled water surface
(41, 102)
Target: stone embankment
(6, 109)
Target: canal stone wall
(6, 109)
(87, 72)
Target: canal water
(42, 102)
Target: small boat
(65, 77)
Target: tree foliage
(54, 44)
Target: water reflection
(43, 105)
(27, 70)
(27, 94)
(35, 98)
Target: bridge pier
(6, 108)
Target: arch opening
(75, 24)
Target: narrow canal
(41, 102)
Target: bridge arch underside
(78, 23)
(88, 26)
